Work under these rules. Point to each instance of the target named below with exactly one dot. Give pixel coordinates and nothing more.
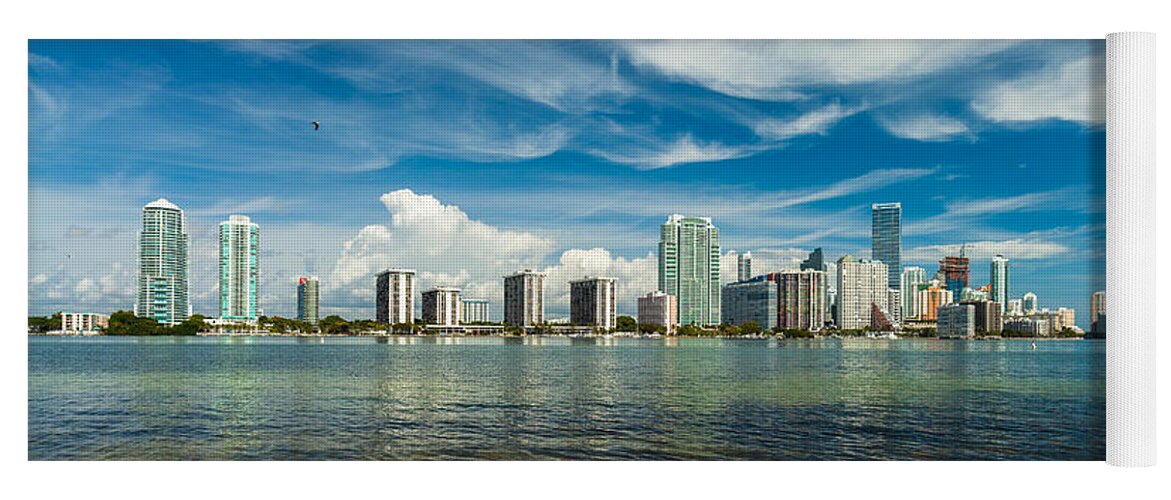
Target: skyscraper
(886, 238)
(163, 293)
(442, 306)
(1098, 313)
(1000, 281)
(594, 301)
(308, 309)
(395, 296)
(801, 301)
(862, 285)
(909, 282)
(744, 266)
(239, 268)
(1029, 302)
(955, 272)
(815, 261)
(524, 298)
(929, 299)
(689, 268)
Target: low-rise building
(1033, 326)
(659, 309)
(83, 323)
(754, 300)
(475, 310)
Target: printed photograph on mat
(566, 250)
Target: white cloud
(440, 241)
(685, 149)
(817, 121)
(770, 69)
(924, 127)
(1072, 91)
(1026, 248)
(635, 277)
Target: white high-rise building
(442, 306)
(239, 268)
(862, 284)
(744, 266)
(1098, 313)
(689, 268)
(163, 293)
(1029, 303)
(1000, 281)
(475, 310)
(524, 298)
(395, 297)
(910, 279)
(594, 301)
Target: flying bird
(316, 125)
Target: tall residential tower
(308, 309)
(1000, 281)
(239, 268)
(689, 268)
(395, 296)
(163, 293)
(524, 298)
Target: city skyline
(589, 167)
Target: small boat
(1034, 346)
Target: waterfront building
(689, 268)
(956, 321)
(862, 284)
(988, 318)
(886, 238)
(475, 311)
(1098, 314)
(395, 296)
(1067, 316)
(594, 301)
(801, 300)
(753, 300)
(308, 300)
(442, 306)
(1029, 303)
(1032, 326)
(239, 269)
(999, 274)
(894, 306)
(955, 272)
(659, 309)
(163, 292)
(1014, 308)
(83, 323)
(929, 298)
(909, 281)
(744, 266)
(981, 293)
(524, 298)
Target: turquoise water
(261, 398)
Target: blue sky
(468, 160)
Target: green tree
(627, 324)
(750, 328)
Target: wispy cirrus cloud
(681, 151)
(927, 127)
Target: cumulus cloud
(1072, 91)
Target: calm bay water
(259, 398)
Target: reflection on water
(563, 398)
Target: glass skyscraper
(239, 268)
(689, 268)
(308, 300)
(1000, 281)
(886, 238)
(163, 293)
